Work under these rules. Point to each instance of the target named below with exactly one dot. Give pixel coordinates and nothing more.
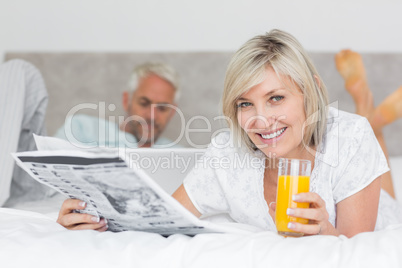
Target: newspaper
(112, 188)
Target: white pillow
(396, 172)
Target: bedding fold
(29, 239)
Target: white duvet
(33, 239)
(30, 239)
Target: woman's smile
(272, 136)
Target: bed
(30, 237)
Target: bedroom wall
(209, 25)
(217, 27)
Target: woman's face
(272, 114)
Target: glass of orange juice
(293, 178)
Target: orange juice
(287, 186)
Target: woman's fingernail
(105, 220)
(82, 204)
(291, 225)
(95, 219)
(290, 211)
(295, 197)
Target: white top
(229, 179)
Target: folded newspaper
(113, 189)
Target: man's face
(149, 109)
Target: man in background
(149, 106)
(149, 103)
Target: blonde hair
(287, 57)
(162, 70)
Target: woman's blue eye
(277, 98)
(243, 104)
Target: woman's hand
(316, 214)
(79, 221)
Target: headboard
(75, 78)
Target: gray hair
(162, 70)
(287, 57)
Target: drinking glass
(293, 178)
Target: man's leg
(23, 101)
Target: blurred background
(86, 49)
(186, 25)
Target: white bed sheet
(30, 239)
(33, 239)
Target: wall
(71, 84)
(185, 25)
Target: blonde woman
(277, 106)
(351, 67)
